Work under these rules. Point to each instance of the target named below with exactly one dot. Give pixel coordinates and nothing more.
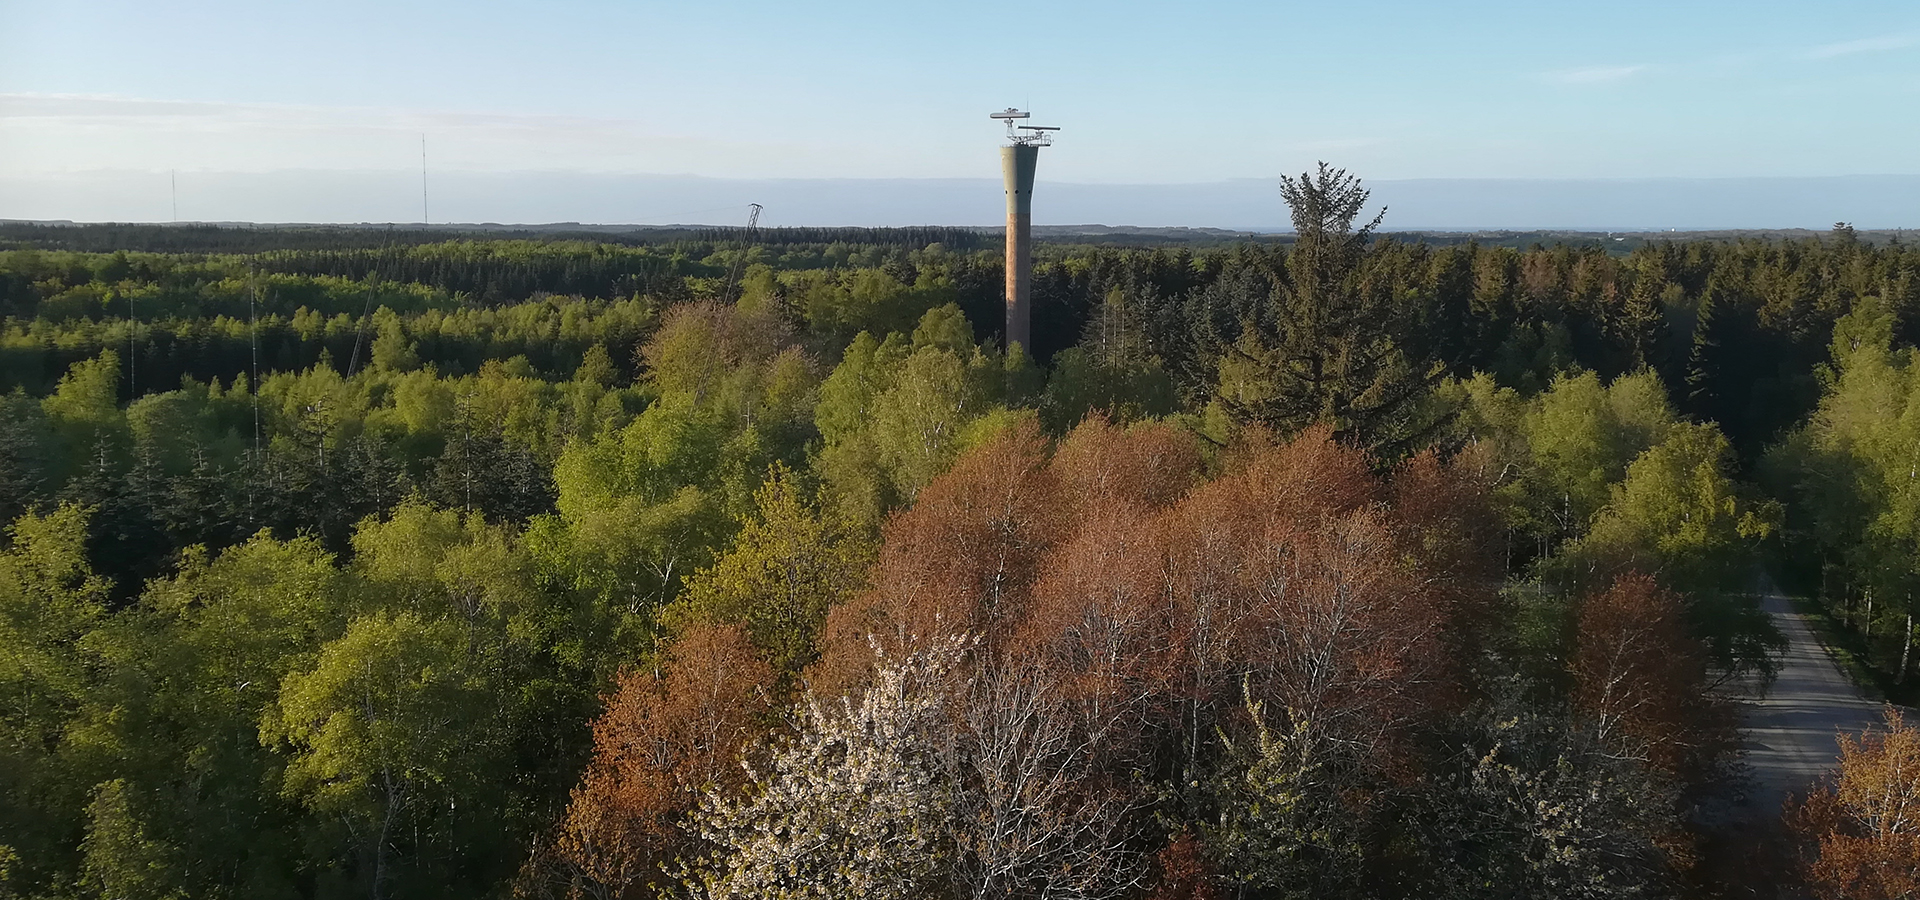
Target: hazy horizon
(1245, 204)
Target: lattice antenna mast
(753, 230)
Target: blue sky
(1146, 93)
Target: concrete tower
(1017, 162)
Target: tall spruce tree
(1324, 344)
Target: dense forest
(723, 565)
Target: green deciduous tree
(1852, 470)
(1281, 830)
(49, 602)
(188, 675)
(787, 567)
(895, 414)
(122, 860)
(1679, 514)
(390, 722)
(1582, 435)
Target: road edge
(1823, 628)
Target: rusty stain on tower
(1017, 161)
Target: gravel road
(1790, 731)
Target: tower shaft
(1017, 164)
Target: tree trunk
(1906, 646)
(393, 799)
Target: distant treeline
(1737, 330)
(245, 238)
(207, 238)
(914, 237)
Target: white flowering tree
(945, 779)
(857, 804)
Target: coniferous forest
(729, 564)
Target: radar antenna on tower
(1024, 135)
